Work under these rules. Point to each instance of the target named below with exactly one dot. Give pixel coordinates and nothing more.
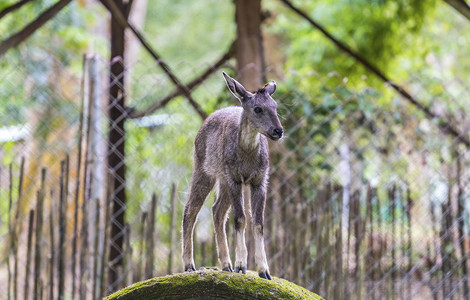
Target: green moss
(213, 284)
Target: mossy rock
(211, 283)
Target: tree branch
(196, 82)
(461, 6)
(445, 126)
(12, 8)
(27, 31)
(111, 6)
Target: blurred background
(101, 101)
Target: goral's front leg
(258, 201)
(236, 196)
(260, 253)
(241, 252)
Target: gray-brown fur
(231, 150)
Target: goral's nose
(278, 132)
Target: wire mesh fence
(367, 199)
(344, 217)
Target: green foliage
(379, 30)
(30, 68)
(417, 44)
(187, 44)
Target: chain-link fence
(367, 198)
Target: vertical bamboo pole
(142, 247)
(360, 261)
(37, 249)
(392, 200)
(368, 261)
(52, 248)
(85, 226)
(77, 183)
(17, 229)
(203, 253)
(389, 291)
(129, 252)
(28, 254)
(86, 179)
(127, 258)
(315, 240)
(66, 194)
(356, 224)
(104, 257)
(327, 245)
(313, 230)
(204, 246)
(443, 243)
(248, 233)
(84, 251)
(318, 278)
(214, 251)
(430, 281)
(10, 230)
(449, 240)
(1, 195)
(60, 254)
(435, 235)
(357, 235)
(74, 243)
(461, 225)
(174, 209)
(150, 238)
(41, 289)
(272, 223)
(338, 292)
(348, 246)
(296, 245)
(285, 231)
(409, 204)
(38, 240)
(95, 249)
(303, 251)
(403, 245)
(308, 237)
(374, 230)
(372, 196)
(379, 272)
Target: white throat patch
(249, 137)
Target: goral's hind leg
(201, 185)
(219, 212)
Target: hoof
(227, 269)
(238, 269)
(190, 268)
(265, 275)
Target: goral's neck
(248, 136)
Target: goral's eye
(258, 110)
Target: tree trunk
(248, 44)
(116, 153)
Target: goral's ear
(270, 87)
(236, 88)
